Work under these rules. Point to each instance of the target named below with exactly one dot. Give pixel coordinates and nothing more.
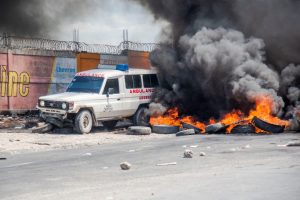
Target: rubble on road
(18, 121)
(188, 153)
(43, 128)
(125, 165)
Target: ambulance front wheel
(141, 117)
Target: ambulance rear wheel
(83, 122)
(141, 117)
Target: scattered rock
(125, 165)
(186, 132)
(139, 130)
(202, 154)
(188, 153)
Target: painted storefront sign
(24, 78)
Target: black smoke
(224, 54)
(37, 18)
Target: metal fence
(14, 42)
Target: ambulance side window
(133, 81)
(150, 80)
(112, 83)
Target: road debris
(41, 143)
(3, 158)
(246, 147)
(194, 146)
(125, 165)
(293, 144)
(88, 154)
(44, 128)
(166, 164)
(202, 154)
(188, 153)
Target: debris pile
(18, 121)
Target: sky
(105, 24)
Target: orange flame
(262, 110)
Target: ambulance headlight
(64, 106)
(42, 103)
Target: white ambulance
(104, 96)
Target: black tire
(55, 122)
(190, 126)
(141, 118)
(165, 129)
(139, 130)
(271, 128)
(186, 132)
(242, 129)
(83, 122)
(110, 125)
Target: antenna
(125, 38)
(76, 35)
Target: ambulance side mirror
(110, 91)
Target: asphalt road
(235, 167)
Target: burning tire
(189, 126)
(186, 132)
(215, 128)
(83, 122)
(165, 129)
(110, 125)
(141, 118)
(271, 128)
(243, 129)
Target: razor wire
(14, 42)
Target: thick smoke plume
(41, 18)
(216, 61)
